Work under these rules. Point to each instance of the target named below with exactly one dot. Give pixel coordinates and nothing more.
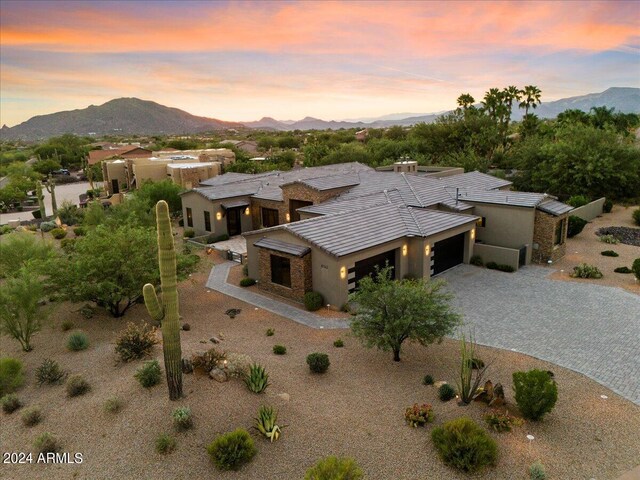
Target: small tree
(22, 248)
(20, 314)
(392, 311)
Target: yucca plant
(257, 380)
(266, 423)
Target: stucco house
(324, 228)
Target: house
(96, 156)
(223, 155)
(325, 228)
(247, 146)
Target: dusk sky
(332, 60)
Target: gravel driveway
(592, 329)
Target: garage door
(448, 253)
(366, 267)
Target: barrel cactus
(166, 312)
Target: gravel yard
(355, 409)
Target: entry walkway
(218, 281)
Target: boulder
(218, 375)
(187, 366)
(215, 340)
(186, 327)
(485, 394)
(284, 396)
(498, 396)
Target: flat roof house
(325, 228)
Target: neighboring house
(248, 146)
(223, 155)
(96, 156)
(325, 228)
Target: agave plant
(266, 423)
(257, 380)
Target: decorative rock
(186, 327)
(284, 396)
(187, 366)
(485, 394)
(218, 375)
(214, 340)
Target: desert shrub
(318, 362)
(165, 444)
(577, 201)
(536, 393)
(462, 444)
(491, 265)
(87, 311)
(80, 231)
(77, 385)
(247, 282)
(505, 268)
(537, 472)
(270, 332)
(257, 380)
(446, 392)
(576, 225)
(266, 423)
(50, 372)
(238, 365)
(31, 416)
(476, 260)
(584, 270)
(475, 363)
(636, 268)
(47, 443)
(77, 341)
(610, 239)
(11, 375)
(623, 270)
(182, 418)
(66, 325)
(419, 415)
(135, 341)
(208, 360)
(427, 380)
(338, 343)
(112, 405)
(186, 327)
(501, 421)
(58, 233)
(10, 403)
(607, 206)
(149, 374)
(68, 244)
(636, 216)
(189, 233)
(279, 349)
(609, 253)
(232, 450)
(334, 468)
(48, 226)
(313, 301)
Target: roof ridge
(412, 189)
(415, 220)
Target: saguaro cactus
(40, 195)
(167, 312)
(51, 188)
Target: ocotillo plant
(51, 188)
(167, 312)
(40, 195)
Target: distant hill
(122, 115)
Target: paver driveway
(592, 329)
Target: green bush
(419, 415)
(112, 405)
(491, 265)
(577, 201)
(58, 233)
(338, 343)
(149, 374)
(182, 418)
(47, 443)
(50, 372)
(446, 392)
(334, 468)
(279, 349)
(313, 301)
(318, 362)
(247, 282)
(501, 421)
(636, 268)
(189, 233)
(576, 225)
(77, 341)
(636, 216)
(476, 260)
(266, 423)
(610, 239)
(427, 380)
(80, 231)
(218, 238)
(609, 253)
(232, 450)
(623, 270)
(135, 341)
(165, 444)
(608, 206)
(48, 226)
(11, 375)
(31, 416)
(505, 268)
(536, 393)
(585, 270)
(270, 332)
(68, 244)
(77, 385)
(10, 403)
(66, 325)
(257, 380)
(462, 444)
(537, 472)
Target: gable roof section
(348, 205)
(474, 179)
(226, 191)
(502, 197)
(329, 182)
(284, 247)
(555, 207)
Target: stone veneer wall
(544, 235)
(301, 278)
(256, 211)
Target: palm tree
(531, 98)
(492, 99)
(509, 95)
(466, 101)
(601, 116)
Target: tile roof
(474, 179)
(284, 247)
(502, 197)
(226, 191)
(554, 207)
(330, 182)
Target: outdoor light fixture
(473, 233)
(288, 217)
(427, 250)
(404, 250)
(247, 211)
(218, 216)
(343, 272)
(530, 438)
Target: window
(294, 205)
(207, 221)
(189, 218)
(281, 271)
(481, 222)
(269, 217)
(559, 234)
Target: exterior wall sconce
(405, 249)
(218, 216)
(473, 233)
(427, 250)
(247, 211)
(343, 272)
(288, 217)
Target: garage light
(404, 250)
(473, 233)
(218, 216)
(427, 250)
(343, 272)
(247, 211)
(287, 217)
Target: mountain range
(130, 116)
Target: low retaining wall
(500, 255)
(589, 211)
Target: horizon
(242, 61)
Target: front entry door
(233, 222)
